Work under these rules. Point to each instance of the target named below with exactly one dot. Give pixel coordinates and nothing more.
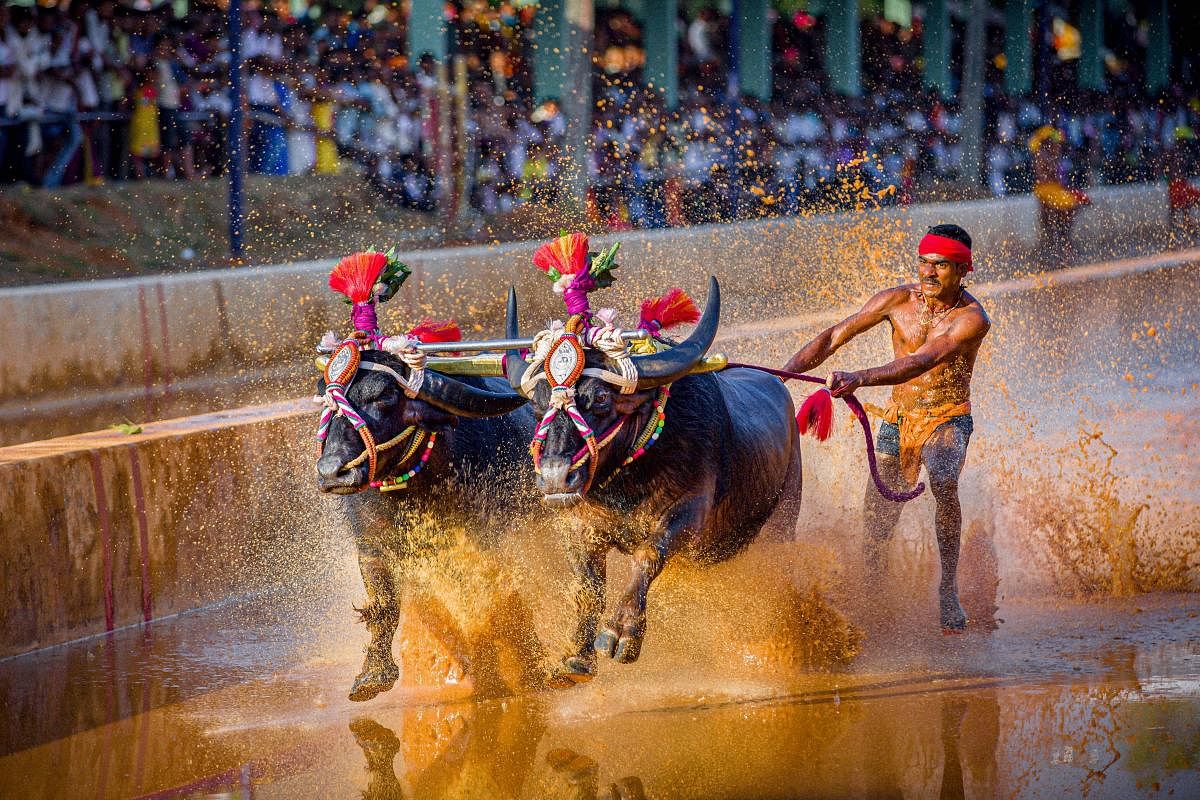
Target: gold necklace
(931, 320)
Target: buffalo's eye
(386, 397)
(600, 401)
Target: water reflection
(1095, 740)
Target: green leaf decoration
(395, 273)
(127, 428)
(603, 264)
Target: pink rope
(576, 295)
(861, 413)
(363, 317)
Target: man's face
(938, 275)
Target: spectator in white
(208, 146)
(30, 54)
(299, 91)
(87, 62)
(700, 35)
(264, 107)
(172, 131)
(59, 96)
(260, 37)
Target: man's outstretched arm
(827, 342)
(961, 335)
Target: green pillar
(1158, 48)
(1091, 30)
(662, 48)
(754, 48)
(426, 29)
(563, 32)
(936, 44)
(970, 96)
(548, 51)
(842, 47)
(1018, 47)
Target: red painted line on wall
(105, 536)
(162, 329)
(139, 505)
(147, 355)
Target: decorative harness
(558, 358)
(343, 366)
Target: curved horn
(672, 364)
(514, 365)
(463, 400)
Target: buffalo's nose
(557, 477)
(328, 466)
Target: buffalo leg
(371, 522)
(588, 569)
(621, 637)
(382, 616)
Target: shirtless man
(937, 328)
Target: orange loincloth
(916, 426)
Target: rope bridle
(343, 366)
(558, 358)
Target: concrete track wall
(145, 335)
(103, 529)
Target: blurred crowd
(96, 91)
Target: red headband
(952, 249)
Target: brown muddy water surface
(772, 676)
(1064, 699)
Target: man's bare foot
(954, 619)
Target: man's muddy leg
(880, 516)
(944, 455)
(588, 569)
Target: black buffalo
(727, 462)
(478, 467)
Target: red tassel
(355, 275)
(566, 255)
(816, 414)
(436, 330)
(675, 307)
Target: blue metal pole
(734, 87)
(237, 155)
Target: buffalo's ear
(629, 403)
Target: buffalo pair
(725, 463)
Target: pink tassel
(816, 414)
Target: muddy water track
(1079, 676)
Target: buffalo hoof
(374, 680)
(954, 619)
(624, 648)
(571, 672)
